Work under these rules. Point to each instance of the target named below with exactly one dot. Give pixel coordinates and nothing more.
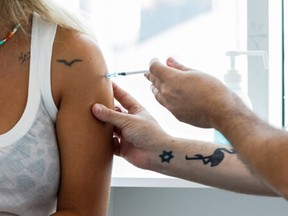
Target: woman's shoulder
(70, 42)
(77, 63)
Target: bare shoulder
(69, 43)
(77, 64)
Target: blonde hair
(20, 11)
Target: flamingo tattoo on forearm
(216, 158)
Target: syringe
(112, 75)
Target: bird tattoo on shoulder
(68, 63)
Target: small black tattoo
(216, 158)
(67, 63)
(24, 57)
(166, 156)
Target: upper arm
(85, 144)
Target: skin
(259, 167)
(194, 85)
(88, 149)
(261, 146)
(85, 145)
(140, 140)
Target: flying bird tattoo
(68, 63)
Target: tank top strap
(45, 34)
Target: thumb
(104, 114)
(171, 62)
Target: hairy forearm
(263, 147)
(208, 164)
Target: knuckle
(106, 112)
(165, 91)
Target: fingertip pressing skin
(96, 109)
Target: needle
(112, 75)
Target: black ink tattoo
(67, 63)
(216, 158)
(24, 57)
(166, 156)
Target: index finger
(126, 100)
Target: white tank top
(29, 159)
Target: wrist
(163, 157)
(237, 123)
(229, 113)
